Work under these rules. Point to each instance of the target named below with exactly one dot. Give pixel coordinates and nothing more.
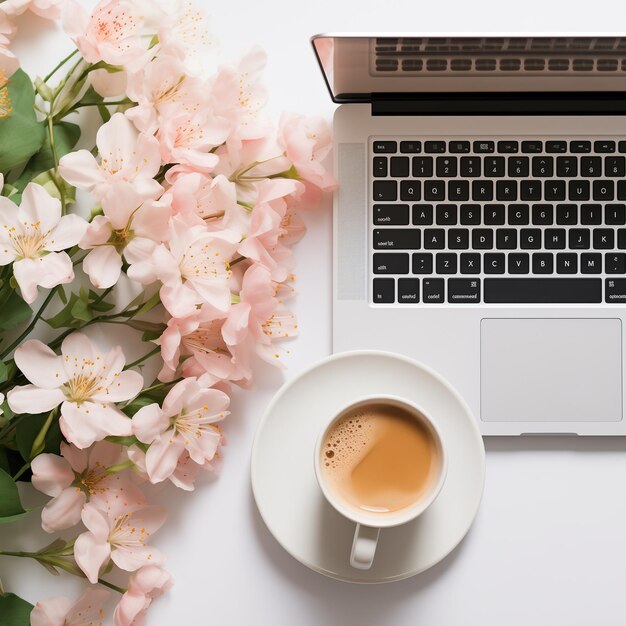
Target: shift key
(391, 263)
(391, 214)
(615, 290)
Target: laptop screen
(355, 67)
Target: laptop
(480, 222)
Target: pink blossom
(109, 84)
(49, 9)
(86, 611)
(129, 227)
(33, 238)
(197, 341)
(194, 268)
(258, 320)
(185, 422)
(121, 537)
(146, 584)
(79, 476)
(84, 381)
(263, 243)
(112, 33)
(161, 87)
(307, 143)
(126, 155)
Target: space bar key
(543, 290)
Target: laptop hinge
(500, 103)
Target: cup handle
(364, 546)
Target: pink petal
(40, 364)
(149, 422)
(203, 448)
(90, 555)
(179, 299)
(103, 265)
(55, 269)
(80, 169)
(76, 348)
(87, 610)
(39, 206)
(27, 275)
(78, 459)
(152, 221)
(63, 511)
(31, 399)
(68, 232)
(105, 454)
(51, 474)
(123, 386)
(98, 232)
(50, 612)
(117, 139)
(162, 456)
(96, 522)
(131, 560)
(88, 422)
(177, 397)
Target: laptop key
(470, 167)
(385, 146)
(484, 147)
(566, 263)
(518, 214)
(603, 190)
(482, 190)
(554, 239)
(458, 239)
(530, 190)
(508, 147)
(493, 263)
(463, 290)
(578, 190)
(604, 146)
(408, 290)
(384, 291)
(579, 239)
(590, 167)
(603, 238)
(458, 190)
(446, 167)
(397, 239)
(532, 146)
(446, 214)
(519, 263)
(591, 214)
(543, 214)
(567, 167)
(434, 190)
(434, 146)
(470, 214)
(391, 214)
(469, 263)
(615, 263)
(622, 146)
(422, 214)
(615, 215)
(391, 263)
(482, 238)
(530, 238)
(543, 263)
(580, 147)
(518, 167)
(556, 146)
(422, 263)
(410, 147)
(554, 190)
(615, 290)
(506, 239)
(411, 190)
(434, 238)
(615, 167)
(506, 190)
(494, 214)
(400, 167)
(432, 290)
(494, 166)
(446, 263)
(591, 263)
(380, 167)
(621, 238)
(542, 290)
(459, 147)
(385, 190)
(621, 190)
(566, 214)
(543, 167)
(422, 167)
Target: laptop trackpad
(551, 370)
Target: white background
(549, 543)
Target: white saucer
(283, 476)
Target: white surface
(289, 497)
(549, 542)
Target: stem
(119, 467)
(106, 583)
(59, 66)
(32, 324)
(144, 357)
(56, 162)
(103, 295)
(237, 260)
(21, 470)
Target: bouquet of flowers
(189, 204)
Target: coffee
(380, 458)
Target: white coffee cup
(369, 524)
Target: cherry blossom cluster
(196, 198)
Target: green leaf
(4, 372)
(80, 311)
(27, 430)
(14, 312)
(150, 304)
(64, 317)
(136, 404)
(10, 504)
(4, 460)
(21, 135)
(66, 136)
(14, 611)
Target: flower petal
(38, 206)
(63, 511)
(131, 560)
(27, 275)
(67, 233)
(80, 169)
(121, 387)
(103, 265)
(149, 422)
(40, 364)
(88, 422)
(32, 399)
(50, 612)
(51, 474)
(87, 610)
(96, 522)
(55, 269)
(91, 555)
(162, 456)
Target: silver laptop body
(480, 222)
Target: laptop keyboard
(498, 221)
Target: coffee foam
(347, 441)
